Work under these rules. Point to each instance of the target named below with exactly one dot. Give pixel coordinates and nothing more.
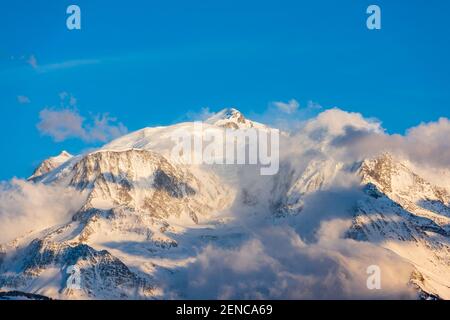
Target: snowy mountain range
(150, 227)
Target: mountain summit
(233, 119)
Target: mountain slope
(133, 194)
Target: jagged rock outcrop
(50, 164)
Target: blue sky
(151, 62)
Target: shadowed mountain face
(154, 228)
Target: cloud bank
(301, 257)
(26, 207)
(351, 136)
(280, 265)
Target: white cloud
(334, 122)
(66, 122)
(276, 263)
(105, 128)
(426, 144)
(306, 256)
(26, 207)
(63, 124)
(201, 115)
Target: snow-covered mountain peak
(64, 154)
(227, 114)
(233, 119)
(50, 164)
(394, 177)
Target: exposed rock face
(318, 175)
(144, 181)
(101, 273)
(396, 179)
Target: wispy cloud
(40, 67)
(67, 65)
(313, 105)
(66, 97)
(201, 115)
(288, 107)
(23, 99)
(32, 61)
(287, 116)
